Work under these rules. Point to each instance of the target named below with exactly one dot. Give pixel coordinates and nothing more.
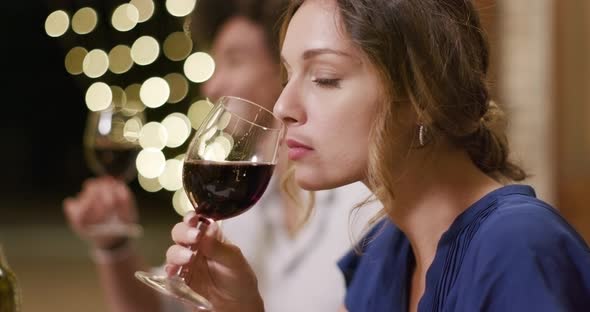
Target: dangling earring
(422, 135)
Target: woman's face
(244, 66)
(329, 101)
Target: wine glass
(227, 168)
(111, 145)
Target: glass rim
(281, 126)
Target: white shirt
(301, 274)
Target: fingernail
(189, 216)
(203, 225)
(185, 255)
(193, 234)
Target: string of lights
(105, 67)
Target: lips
(297, 150)
(295, 144)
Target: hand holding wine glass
(220, 273)
(95, 203)
(110, 152)
(226, 170)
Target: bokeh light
(75, 59)
(99, 96)
(145, 50)
(145, 9)
(181, 203)
(184, 118)
(177, 128)
(150, 163)
(150, 185)
(199, 67)
(223, 121)
(154, 171)
(57, 23)
(171, 178)
(119, 97)
(177, 46)
(120, 60)
(84, 21)
(154, 92)
(132, 129)
(96, 63)
(215, 152)
(198, 111)
(229, 139)
(180, 8)
(153, 135)
(178, 87)
(225, 143)
(125, 17)
(133, 100)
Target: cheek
(342, 152)
(351, 148)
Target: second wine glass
(226, 170)
(111, 147)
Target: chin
(312, 181)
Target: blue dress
(507, 252)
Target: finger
(184, 234)
(92, 204)
(84, 206)
(68, 205)
(106, 197)
(191, 218)
(212, 246)
(124, 202)
(87, 184)
(171, 269)
(73, 214)
(178, 255)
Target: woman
(393, 94)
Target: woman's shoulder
(522, 220)
(524, 249)
(525, 227)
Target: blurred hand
(98, 201)
(218, 271)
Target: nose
(289, 107)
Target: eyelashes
(321, 82)
(327, 83)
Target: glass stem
(184, 272)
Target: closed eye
(327, 83)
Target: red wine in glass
(116, 161)
(221, 190)
(110, 152)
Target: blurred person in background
(295, 263)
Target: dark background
(43, 110)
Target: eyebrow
(315, 52)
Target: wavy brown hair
(432, 55)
